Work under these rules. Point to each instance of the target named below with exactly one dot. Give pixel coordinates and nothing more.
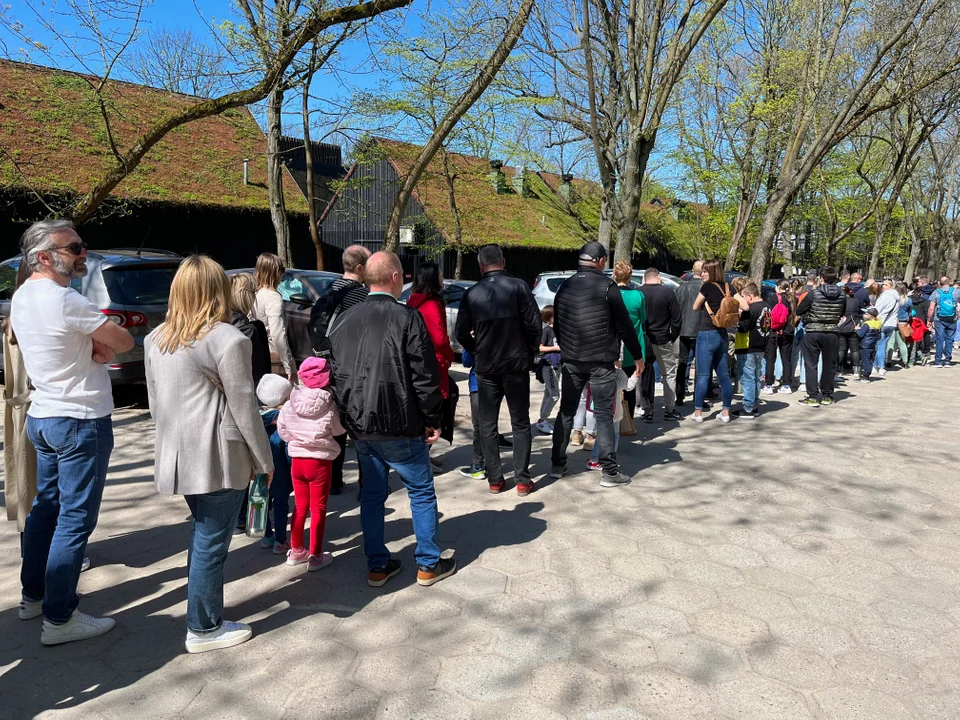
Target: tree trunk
(744, 211)
(953, 255)
(629, 200)
(449, 178)
(605, 236)
(772, 220)
(278, 206)
(308, 150)
(458, 270)
(391, 241)
(787, 267)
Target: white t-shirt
(53, 325)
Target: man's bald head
(384, 273)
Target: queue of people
(229, 404)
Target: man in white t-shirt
(65, 340)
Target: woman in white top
(268, 309)
(888, 305)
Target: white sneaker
(610, 481)
(85, 565)
(882, 372)
(768, 390)
(698, 418)
(80, 626)
(30, 609)
(227, 635)
(545, 427)
(785, 390)
(724, 417)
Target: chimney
(519, 181)
(566, 189)
(246, 171)
(497, 178)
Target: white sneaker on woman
(227, 635)
(80, 626)
(724, 417)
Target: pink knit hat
(315, 372)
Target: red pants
(311, 488)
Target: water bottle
(257, 506)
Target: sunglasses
(73, 248)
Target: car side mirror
(301, 300)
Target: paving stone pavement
(805, 565)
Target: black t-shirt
(547, 336)
(714, 296)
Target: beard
(73, 269)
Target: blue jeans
(712, 355)
(750, 379)
(881, 358)
(280, 490)
(214, 516)
(944, 333)
(410, 459)
(72, 460)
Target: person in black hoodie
(821, 311)
(755, 320)
(499, 324)
(662, 328)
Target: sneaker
(297, 556)
(698, 417)
(267, 542)
(281, 548)
(377, 577)
(444, 568)
(505, 442)
(593, 465)
(497, 488)
(864, 381)
(747, 414)
(544, 427)
(785, 390)
(647, 418)
(473, 472)
(227, 635)
(724, 417)
(768, 390)
(319, 561)
(938, 367)
(827, 400)
(882, 372)
(810, 402)
(524, 488)
(589, 441)
(558, 471)
(30, 609)
(80, 626)
(672, 416)
(610, 481)
(85, 565)
(577, 437)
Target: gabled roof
(540, 219)
(54, 142)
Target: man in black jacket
(590, 320)
(662, 328)
(499, 324)
(387, 386)
(821, 311)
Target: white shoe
(227, 635)
(545, 427)
(724, 417)
(698, 418)
(882, 372)
(80, 626)
(85, 565)
(316, 563)
(785, 390)
(30, 609)
(768, 390)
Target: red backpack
(780, 315)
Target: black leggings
(784, 343)
(848, 342)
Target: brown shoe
(429, 576)
(377, 577)
(524, 489)
(577, 437)
(589, 441)
(497, 488)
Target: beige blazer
(206, 440)
(19, 455)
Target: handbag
(627, 428)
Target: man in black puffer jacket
(590, 320)
(387, 386)
(821, 311)
(499, 324)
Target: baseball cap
(593, 251)
(872, 311)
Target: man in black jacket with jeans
(499, 324)
(387, 386)
(590, 320)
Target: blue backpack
(946, 303)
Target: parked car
(729, 275)
(130, 286)
(300, 290)
(546, 285)
(453, 291)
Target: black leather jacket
(498, 322)
(822, 309)
(385, 374)
(590, 319)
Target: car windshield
(319, 281)
(139, 284)
(296, 284)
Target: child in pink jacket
(309, 424)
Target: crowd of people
(229, 403)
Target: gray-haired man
(65, 340)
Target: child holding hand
(310, 423)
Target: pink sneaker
(593, 465)
(319, 561)
(297, 556)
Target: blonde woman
(209, 436)
(268, 308)
(243, 295)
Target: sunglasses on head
(74, 248)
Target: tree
(177, 60)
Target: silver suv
(131, 287)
